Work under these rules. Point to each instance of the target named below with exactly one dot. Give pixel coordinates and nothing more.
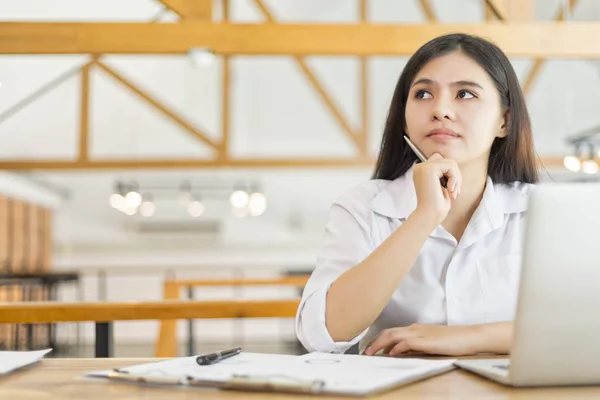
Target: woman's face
(453, 108)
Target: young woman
(408, 265)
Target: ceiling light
(257, 204)
(147, 208)
(239, 199)
(133, 199)
(116, 201)
(590, 167)
(572, 163)
(129, 210)
(195, 209)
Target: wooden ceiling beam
(185, 163)
(495, 9)
(560, 15)
(329, 162)
(536, 39)
(226, 93)
(538, 64)
(328, 100)
(166, 111)
(198, 10)
(84, 113)
(488, 13)
(428, 11)
(520, 10)
(364, 86)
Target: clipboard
(313, 373)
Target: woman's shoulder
(516, 187)
(360, 197)
(514, 196)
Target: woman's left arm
(444, 340)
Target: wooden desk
(32, 312)
(54, 379)
(105, 313)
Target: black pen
(421, 156)
(213, 358)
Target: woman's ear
(504, 125)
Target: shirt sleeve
(346, 243)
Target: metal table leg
(27, 292)
(191, 350)
(104, 339)
(53, 296)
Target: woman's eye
(423, 94)
(465, 94)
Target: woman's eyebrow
(428, 81)
(468, 83)
(425, 81)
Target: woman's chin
(444, 152)
(445, 149)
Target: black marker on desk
(421, 156)
(213, 358)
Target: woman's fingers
(447, 168)
(388, 348)
(410, 344)
(447, 194)
(381, 341)
(400, 347)
(387, 339)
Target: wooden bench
(103, 314)
(167, 343)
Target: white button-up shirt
(473, 281)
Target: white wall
(274, 113)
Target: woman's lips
(442, 133)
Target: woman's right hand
(432, 199)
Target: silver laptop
(557, 327)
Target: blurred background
(121, 172)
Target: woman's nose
(442, 110)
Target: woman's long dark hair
(511, 158)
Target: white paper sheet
(357, 374)
(341, 373)
(12, 360)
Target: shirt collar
(398, 199)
